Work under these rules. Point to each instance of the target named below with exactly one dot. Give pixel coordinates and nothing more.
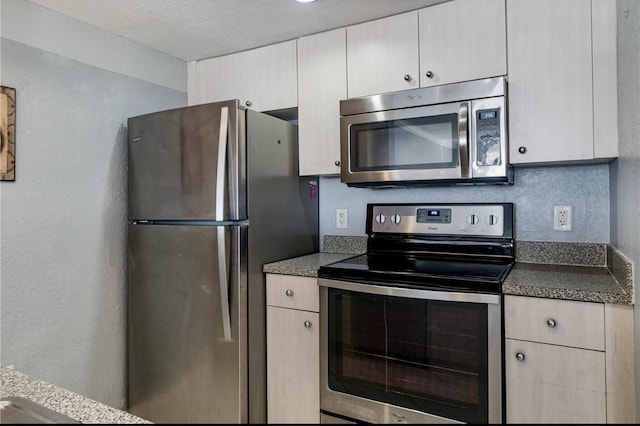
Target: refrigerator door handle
(222, 256)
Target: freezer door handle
(222, 157)
(223, 278)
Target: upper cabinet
(462, 40)
(562, 86)
(382, 55)
(263, 79)
(322, 83)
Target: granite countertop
(80, 408)
(304, 266)
(569, 282)
(588, 272)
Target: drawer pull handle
(289, 292)
(307, 324)
(520, 356)
(551, 322)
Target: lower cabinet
(293, 350)
(568, 362)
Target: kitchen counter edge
(78, 407)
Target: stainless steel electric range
(411, 331)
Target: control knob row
(395, 218)
(474, 219)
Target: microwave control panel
(488, 137)
(460, 219)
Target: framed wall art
(7, 133)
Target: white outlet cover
(341, 218)
(562, 218)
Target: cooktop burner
(465, 247)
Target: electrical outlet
(341, 218)
(562, 218)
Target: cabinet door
(293, 366)
(216, 79)
(322, 83)
(271, 77)
(550, 80)
(605, 79)
(382, 55)
(554, 384)
(462, 40)
(263, 79)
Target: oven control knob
(396, 218)
(381, 218)
(473, 219)
(492, 220)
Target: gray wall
(535, 192)
(63, 220)
(625, 172)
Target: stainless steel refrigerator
(213, 194)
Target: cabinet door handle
(307, 324)
(248, 103)
(551, 322)
(520, 356)
(429, 74)
(522, 150)
(289, 292)
(337, 163)
(407, 77)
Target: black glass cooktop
(419, 271)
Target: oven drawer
(558, 322)
(294, 292)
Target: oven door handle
(410, 293)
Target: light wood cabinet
(462, 40)
(561, 62)
(322, 83)
(568, 361)
(263, 79)
(382, 55)
(293, 350)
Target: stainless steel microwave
(449, 134)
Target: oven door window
(404, 144)
(429, 356)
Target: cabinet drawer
(558, 322)
(290, 291)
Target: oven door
(400, 355)
(418, 143)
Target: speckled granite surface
(582, 283)
(344, 244)
(589, 272)
(304, 266)
(584, 254)
(84, 410)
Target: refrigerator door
(187, 328)
(184, 164)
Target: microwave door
(421, 143)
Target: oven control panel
(489, 220)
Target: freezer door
(187, 329)
(185, 164)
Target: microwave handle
(463, 139)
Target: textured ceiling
(199, 29)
